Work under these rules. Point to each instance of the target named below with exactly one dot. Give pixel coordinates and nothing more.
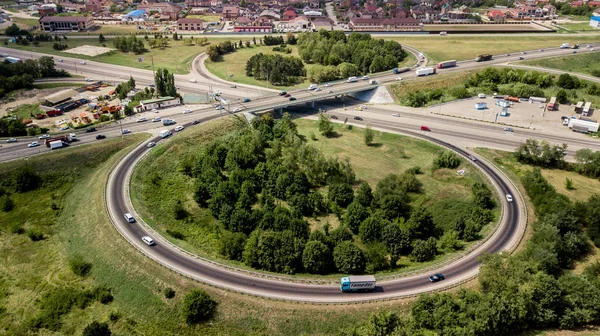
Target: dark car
(357, 118)
(333, 117)
(437, 277)
(100, 136)
(246, 100)
(287, 95)
(195, 122)
(282, 93)
(292, 98)
(90, 129)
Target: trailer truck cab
(360, 283)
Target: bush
(348, 258)
(35, 234)
(316, 257)
(96, 329)
(175, 234)
(169, 293)
(446, 159)
(6, 203)
(25, 179)
(179, 211)
(79, 266)
(198, 306)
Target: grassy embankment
(157, 182)
(582, 63)
(78, 225)
(235, 64)
(442, 48)
(176, 57)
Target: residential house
(269, 14)
(418, 14)
(495, 15)
(47, 9)
(65, 23)
(243, 21)
(399, 13)
(72, 7)
(189, 25)
(167, 10)
(549, 11)
(93, 5)
(288, 15)
(322, 23)
(197, 3)
(301, 22)
(230, 13)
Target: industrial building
(51, 24)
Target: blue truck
(357, 283)
(399, 70)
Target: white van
(312, 86)
(129, 218)
(352, 79)
(149, 241)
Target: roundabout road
(506, 237)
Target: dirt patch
(89, 50)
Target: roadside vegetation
(583, 63)
(510, 82)
(264, 192)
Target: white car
(45, 136)
(509, 197)
(186, 111)
(318, 89)
(149, 241)
(398, 78)
(60, 60)
(73, 136)
(151, 144)
(155, 110)
(83, 62)
(193, 81)
(11, 140)
(395, 115)
(219, 107)
(363, 107)
(237, 109)
(365, 77)
(142, 119)
(33, 144)
(179, 128)
(89, 79)
(328, 85)
(125, 131)
(156, 120)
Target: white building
(157, 103)
(595, 21)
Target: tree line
(261, 184)
(277, 69)
(129, 44)
(332, 48)
(532, 289)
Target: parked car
(33, 144)
(11, 140)
(287, 95)
(149, 241)
(437, 277)
(100, 136)
(64, 128)
(179, 128)
(154, 110)
(151, 144)
(44, 136)
(358, 118)
(125, 131)
(364, 107)
(509, 197)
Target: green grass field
(79, 225)
(177, 57)
(205, 18)
(235, 64)
(442, 48)
(580, 26)
(25, 111)
(56, 85)
(583, 63)
(392, 154)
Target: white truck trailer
(583, 126)
(425, 71)
(357, 283)
(56, 144)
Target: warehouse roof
(60, 96)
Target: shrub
(446, 159)
(179, 211)
(35, 234)
(198, 306)
(96, 329)
(79, 266)
(175, 234)
(25, 179)
(169, 293)
(6, 203)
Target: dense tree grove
(15, 76)
(541, 153)
(261, 183)
(277, 69)
(165, 83)
(214, 51)
(129, 44)
(528, 290)
(341, 56)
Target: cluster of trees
(200, 41)
(129, 44)
(124, 88)
(565, 8)
(159, 42)
(14, 30)
(273, 40)
(515, 82)
(165, 83)
(214, 51)
(587, 162)
(528, 290)
(15, 76)
(332, 48)
(277, 69)
(245, 178)
(541, 153)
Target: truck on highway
(446, 64)
(14, 60)
(63, 139)
(565, 46)
(425, 72)
(399, 70)
(352, 79)
(55, 144)
(357, 283)
(167, 122)
(483, 57)
(165, 133)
